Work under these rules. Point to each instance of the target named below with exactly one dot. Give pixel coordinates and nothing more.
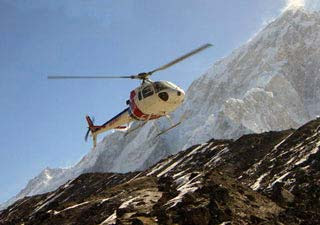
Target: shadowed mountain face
(270, 83)
(268, 178)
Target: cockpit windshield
(159, 86)
(147, 91)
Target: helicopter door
(147, 103)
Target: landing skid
(155, 124)
(166, 130)
(172, 125)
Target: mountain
(267, 178)
(270, 83)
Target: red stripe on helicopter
(137, 112)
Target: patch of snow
(190, 186)
(161, 166)
(77, 205)
(182, 180)
(104, 200)
(112, 219)
(71, 207)
(290, 161)
(305, 158)
(305, 167)
(225, 223)
(127, 203)
(208, 147)
(49, 197)
(217, 157)
(281, 142)
(135, 177)
(47, 202)
(68, 183)
(173, 165)
(178, 174)
(196, 149)
(256, 185)
(279, 179)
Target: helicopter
(149, 101)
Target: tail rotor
(90, 123)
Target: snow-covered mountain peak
(270, 83)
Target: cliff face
(268, 178)
(270, 83)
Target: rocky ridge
(268, 178)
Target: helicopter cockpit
(151, 89)
(163, 90)
(159, 86)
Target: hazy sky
(42, 121)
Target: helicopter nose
(176, 96)
(180, 94)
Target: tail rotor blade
(87, 135)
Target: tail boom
(116, 122)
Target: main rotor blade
(195, 51)
(90, 77)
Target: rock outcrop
(268, 178)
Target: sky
(43, 121)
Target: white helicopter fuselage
(149, 101)
(152, 100)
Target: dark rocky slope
(269, 178)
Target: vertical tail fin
(90, 123)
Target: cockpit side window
(158, 86)
(147, 91)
